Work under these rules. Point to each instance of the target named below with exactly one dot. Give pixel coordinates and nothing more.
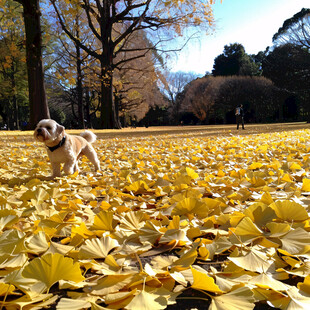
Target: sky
(251, 23)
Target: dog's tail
(89, 136)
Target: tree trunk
(108, 115)
(14, 99)
(87, 108)
(37, 97)
(79, 87)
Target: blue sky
(249, 22)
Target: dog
(65, 148)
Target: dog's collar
(61, 143)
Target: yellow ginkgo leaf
(213, 203)
(178, 277)
(12, 242)
(247, 228)
(51, 268)
(305, 185)
(175, 236)
(41, 194)
(7, 218)
(260, 213)
(82, 231)
(295, 166)
(146, 301)
(138, 187)
(97, 248)
(71, 304)
(187, 259)
(239, 299)
(13, 261)
(38, 195)
(267, 281)
(59, 248)
(110, 284)
(305, 286)
(255, 165)
(296, 241)
(133, 220)
(253, 261)
(6, 289)
(191, 173)
(119, 299)
(39, 301)
(30, 287)
(286, 178)
(149, 233)
(278, 229)
(289, 211)
(112, 263)
(266, 198)
(104, 221)
(295, 300)
(190, 205)
(37, 243)
(204, 282)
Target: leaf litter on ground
(223, 220)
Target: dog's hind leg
(91, 154)
(76, 167)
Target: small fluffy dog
(65, 148)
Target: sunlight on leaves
(223, 216)
(51, 268)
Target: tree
(295, 30)
(214, 99)
(114, 22)
(234, 61)
(173, 84)
(199, 98)
(257, 94)
(37, 96)
(12, 65)
(288, 66)
(71, 62)
(135, 81)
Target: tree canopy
(295, 30)
(234, 61)
(113, 24)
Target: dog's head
(48, 131)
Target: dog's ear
(60, 129)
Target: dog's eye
(48, 127)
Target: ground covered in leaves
(174, 221)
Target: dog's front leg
(56, 169)
(69, 167)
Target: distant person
(239, 116)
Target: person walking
(239, 116)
